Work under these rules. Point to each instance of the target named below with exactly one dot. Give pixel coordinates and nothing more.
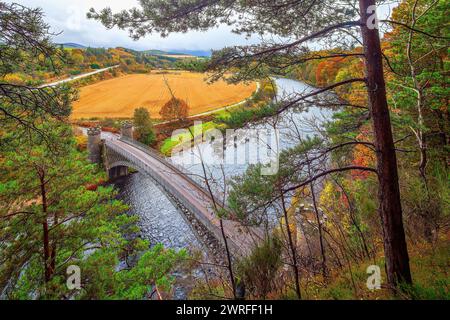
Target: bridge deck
(240, 240)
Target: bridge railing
(180, 170)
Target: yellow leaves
(296, 203)
(14, 78)
(41, 58)
(77, 57)
(328, 199)
(81, 141)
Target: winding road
(84, 75)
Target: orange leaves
(175, 109)
(91, 187)
(328, 69)
(362, 155)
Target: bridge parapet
(155, 154)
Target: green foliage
(153, 268)
(259, 270)
(429, 267)
(194, 65)
(191, 134)
(24, 38)
(431, 277)
(426, 207)
(26, 48)
(258, 107)
(54, 212)
(144, 126)
(239, 118)
(252, 194)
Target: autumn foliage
(174, 109)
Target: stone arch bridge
(120, 153)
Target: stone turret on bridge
(94, 144)
(127, 130)
(97, 153)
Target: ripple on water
(160, 221)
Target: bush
(148, 139)
(258, 271)
(144, 126)
(175, 109)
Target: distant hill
(172, 53)
(155, 52)
(72, 45)
(195, 53)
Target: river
(161, 222)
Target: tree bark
(292, 248)
(390, 210)
(47, 268)
(319, 227)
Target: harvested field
(118, 97)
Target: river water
(161, 222)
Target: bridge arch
(122, 163)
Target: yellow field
(118, 97)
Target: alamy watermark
(374, 279)
(73, 281)
(234, 147)
(372, 20)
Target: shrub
(258, 271)
(175, 109)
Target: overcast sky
(69, 17)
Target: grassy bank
(191, 134)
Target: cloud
(69, 18)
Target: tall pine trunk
(319, 228)
(45, 231)
(390, 210)
(292, 248)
